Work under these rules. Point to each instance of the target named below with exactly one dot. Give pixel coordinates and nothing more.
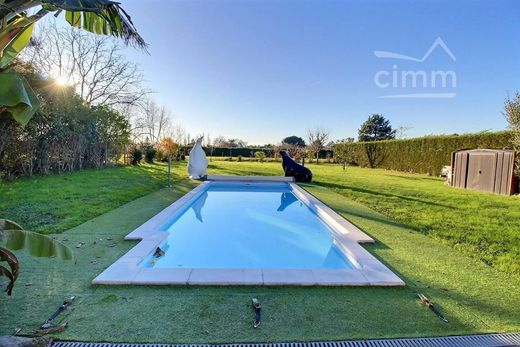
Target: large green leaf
(103, 17)
(13, 237)
(38, 245)
(6, 224)
(12, 272)
(16, 33)
(16, 45)
(17, 97)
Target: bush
(260, 155)
(239, 158)
(151, 153)
(64, 135)
(137, 156)
(421, 155)
(161, 155)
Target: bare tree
(317, 139)
(401, 132)
(152, 122)
(220, 141)
(94, 65)
(177, 133)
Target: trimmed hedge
(243, 152)
(420, 155)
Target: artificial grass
(475, 298)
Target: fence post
(169, 171)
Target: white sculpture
(197, 162)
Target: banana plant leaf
(13, 41)
(98, 16)
(38, 245)
(17, 97)
(13, 237)
(12, 272)
(6, 224)
(16, 45)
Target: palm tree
(102, 17)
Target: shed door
(459, 169)
(482, 171)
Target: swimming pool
(263, 233)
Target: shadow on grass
(369, 214)
(418, 178)
(340, 187)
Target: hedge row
(243, 152)
(421, 155)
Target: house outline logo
(439, 42)
(400, 79)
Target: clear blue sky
(263, 70)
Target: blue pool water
(261, 226)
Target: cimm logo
(401, 82)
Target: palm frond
(99, 16)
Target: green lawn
(55, 203)
(475, 297)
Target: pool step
(487, 340)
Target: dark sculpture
(293, 169)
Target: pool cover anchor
(258, 312)
(424, 300)
(63, 307)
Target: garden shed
(487, 170)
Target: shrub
(161, 155)
(239, 158)
(150, 155)
(137, 156)
(260, 155)
(421, 155)
(168, 147)
(65, 135)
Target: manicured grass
(482, 225)
(475, 297)
(55, 203)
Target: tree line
(64, 135)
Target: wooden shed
(487, 170)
